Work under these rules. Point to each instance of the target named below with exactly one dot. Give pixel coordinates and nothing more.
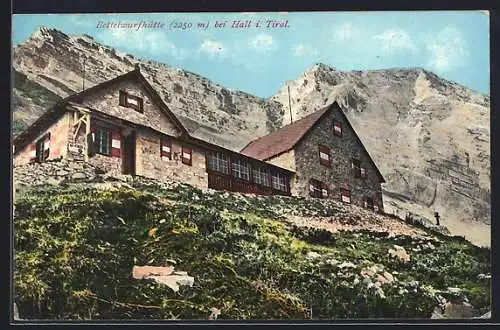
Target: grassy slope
(75, 248)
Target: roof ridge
(284, 138)
(288, 125)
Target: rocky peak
(48, 34)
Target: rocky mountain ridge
(430, 137)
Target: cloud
(304, 50)
(345, 32)
(82, 20)
(154, 42)
(212, 48)
(395, 40)
(262, 42)
(447, 50)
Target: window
(187, 156)
(102, 141)
(337, 128)
(240, 169)
(324, 156)
(369, 203)
(315, 188)
(318, 189)
(324, 191)
(130, 101)
(219, 162)
(42, 148)
(261, 176)
(345, 195)
(166, 149)
(279, 181)
(359, 172)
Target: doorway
(128, 160)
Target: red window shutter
(116, 144)
(324, 190)
(337, 128)
(46, 146)
(141, 105)
(345, 195)
(123, 98)
(166, 149)
(326, 151)
(32, 152)
(187, 154)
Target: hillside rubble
(76, 244)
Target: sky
(258, 59)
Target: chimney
(290, 105)
(137, 67)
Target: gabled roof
(287, 137)
(284, 139)
(59, 108)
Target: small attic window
(337, 128)
(131, 101)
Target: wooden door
(128, 160)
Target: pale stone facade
(287, 160)
(59, 135)
(151, 164)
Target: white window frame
(261, 176)
(345, 198)
(240, 169)
(324, 156)
(99, 145)
(219, 162)
(278, 181)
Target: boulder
(400, 253)
(458, 311)
(164, 275)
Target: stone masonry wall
(150, 164)
(342, 150)
(54, 172)
(59, 135)
(109, 164)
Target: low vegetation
(75, 247)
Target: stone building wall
(342, 150)
(149, 162)
(59, 136)
(110, 164)
(54, 172)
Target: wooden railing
(220, 181)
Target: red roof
(283, 139)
